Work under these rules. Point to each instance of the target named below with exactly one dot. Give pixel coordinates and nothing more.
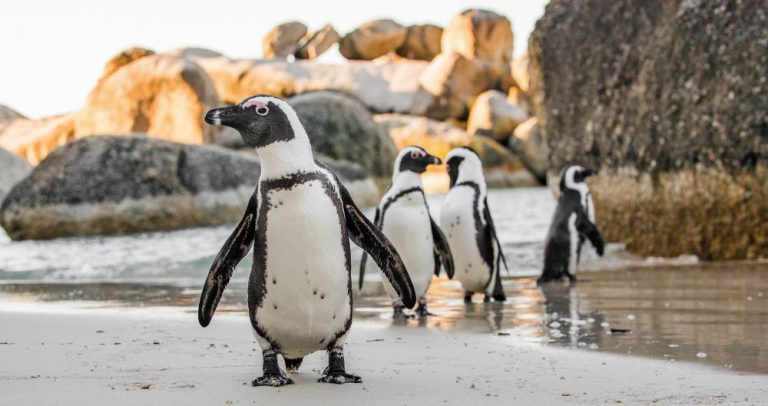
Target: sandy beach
(161, 356)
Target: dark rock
(669, 100)
(13, 170)
(113, 185)
(340, 127)
(421, 42)
(8, 114)
(283, 40)
(318, 42)
(372, 40)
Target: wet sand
(117, 357)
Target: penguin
(403, 216)
(572, 224)
(467, 223)
(299, 222)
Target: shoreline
(160, 357)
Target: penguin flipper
(364, 258)
(492, 231)
(366, 235)
(590, 230)
(238, 244)
(442, 251)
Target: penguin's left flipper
(363, 233)
(238, 244)
(590, 230)
(442, 251)
(492, 231)
(364, 258)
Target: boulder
(519, 98)
(528, 144)
(340, 127)
(33, 140)
(160, 95)
(14, 170)
(382, 87)
(421, 42)
(114, 185)
(481, 35)
(372, 40)
(8, 114)
(448, 86)
(493, 116)
(193, 52)
(520, 73)
(669, 102)
(318, 42)
(124, 58)
(283, 40)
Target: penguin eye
(262, 110)
(417, 154)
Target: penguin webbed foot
(398, 313)
(467, 297)
(273, 380)
(293, 364)
(336, 372)
(423, 313)
(497, 297)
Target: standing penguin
(299, 221)
(466, 220)
(574, 220)
(403, 216)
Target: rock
(14, 170)
(114, 185)
(669, 102)
(502, 168)
(160, 95)
(421, 42)
(528, 144)
(448, 86)
(8, 114)
(124, 58)
(372, 40)
(193, 52)
(481, 35)
(340, 127)
(520, 67)
(283, 40)
(318, 42)
(519, 98)
(493, 116)
(382, 87)
(35, 139)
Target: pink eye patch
(258, 104)
(418, 154)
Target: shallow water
(676, 309)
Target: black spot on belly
(314, 292)
(274, 281)
(322, 296)
(275, 306)
(334, 317)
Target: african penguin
(299, 222)
(403, 216)
(574, 220)
(466, 220)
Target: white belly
(458, 224)
(407, 226)
(306, 301)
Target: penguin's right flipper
(590, 230)
(364, 258)
(238, 244)
(366, 235)
(442, 251)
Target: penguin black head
(414, 159)
(261, 120)
(573, 176)
(464, 161)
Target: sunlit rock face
(669, 100)
(104, 185)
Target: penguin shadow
(490, 313)
(566, 322)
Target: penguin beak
(433, 160)
(228, 116)
(588, 172)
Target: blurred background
(114, 191)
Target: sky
(53, 52)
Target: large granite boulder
(421, 42)
(33, 140)
(124, 58)
(494, 116)
(8, 114)
(113, 185)
(13, 170)
(528, 144)
(340, 127)
(318, 42)
(448, 86)
(283, 40)
(382, 87)
(160, 95)
(372, 40)
(669, 101)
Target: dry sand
(160, 357)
